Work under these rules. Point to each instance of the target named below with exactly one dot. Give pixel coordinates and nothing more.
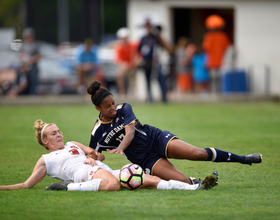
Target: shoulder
(76, 144)
(71, 143)
(41, 161)
(97, 125)
(126, 111)
(124, 106)
(68, 144)
(144, 39)
(120, 105)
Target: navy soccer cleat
(194, 180)
(253, 158)
(59, 186)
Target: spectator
(215, 43)
(14, 82)
(21, 85)
(7, 78)
(30, 56)
(86, 64)
(200, 72)
(148, 49)
(127, 61)
(184, 52)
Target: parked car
(56, 69)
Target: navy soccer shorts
(158, 151)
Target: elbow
(100, 157)
(27, 186)
(131, 134)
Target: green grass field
(244, 192)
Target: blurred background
(63, 29)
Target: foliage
(11, 13)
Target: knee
(115, 186)
(109, 185)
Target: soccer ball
(132, 176)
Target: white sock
(174, 184)
(92, 185)
(163, 184)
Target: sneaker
(59, 186)
(253, 158)
(209, 181)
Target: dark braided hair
(97, 92)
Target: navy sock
(217, 155)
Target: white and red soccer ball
(132, 176)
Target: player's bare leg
(167, 171)
(120, 80)
(150, 182)
(178, 149)
(102, 180)
(109, 181)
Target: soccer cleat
(253, 158)
(194, 180)
(216, 174)
(59, 186)
(209, 181)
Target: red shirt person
(127, 60)
(215, 43)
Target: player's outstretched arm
(37, 176)
(91, 153)
(129, 135)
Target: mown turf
(244, 192)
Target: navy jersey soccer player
(118, 131)
(147, 147)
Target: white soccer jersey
(68, 164)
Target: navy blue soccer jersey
(147, 147)
(146, 46)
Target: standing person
(118, 131)
(184, 52)
(30, 56)
(127, 61)
(81, 169)
(200, 72)
(148, 50)
(86, 64)
(215, 43)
